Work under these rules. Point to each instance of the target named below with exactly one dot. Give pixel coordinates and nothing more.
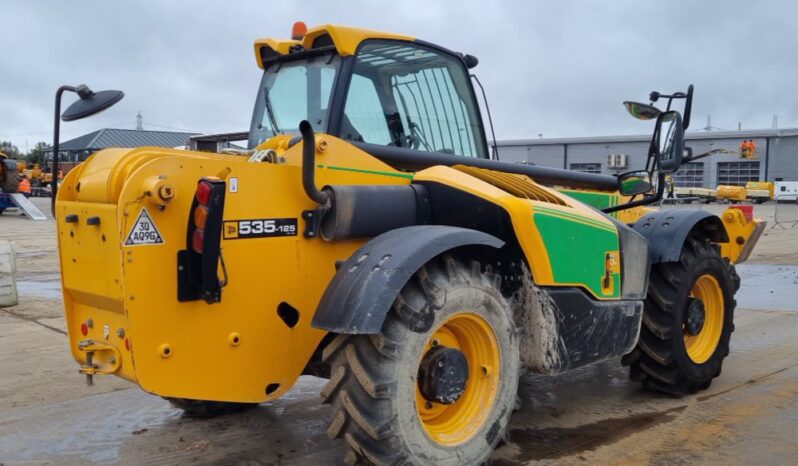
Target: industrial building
(776, 156)
(79, 148)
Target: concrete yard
(594, 415)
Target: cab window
(293, 91)
(411, 96)
(364, 112)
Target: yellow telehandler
(368, 236)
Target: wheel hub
(442, 375)
(695, 317)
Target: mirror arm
(56, 136)
(702, 155)
(495, 152)
(688, 108)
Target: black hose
(309, 164)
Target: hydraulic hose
(309, 164)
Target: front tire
(688, 320)
(379, 389)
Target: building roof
(690, 135)
(110, 137)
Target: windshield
(411, 96)
(291, 92)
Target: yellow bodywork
(521, 212)
(133, 288)
(346, 40)
(743, 235)
(128, 293)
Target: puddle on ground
(133, 427)
(91, 427)
(46, 286)
(768, 287)
(556, 442)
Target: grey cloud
(557, 68)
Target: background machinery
(367, 237)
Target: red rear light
(200, 217)
(196, 240)
(84, 329)
(203, 193)
(198, 264)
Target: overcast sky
(556, 68)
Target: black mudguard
(592, 331)
(563, 328)
(667, 230)
(360, 295)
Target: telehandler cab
(369, 237)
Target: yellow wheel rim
(702, 346)
(456, 423)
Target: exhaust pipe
(309, 164)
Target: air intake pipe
(361, 211)
(309, 164)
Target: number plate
(260, 228)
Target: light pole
(90, 102)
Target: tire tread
(653, 362)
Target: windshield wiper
(270, 112)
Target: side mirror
(90, 103)
(669, 141)
(642, 111)
(633, 183)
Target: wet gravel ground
(593, 415)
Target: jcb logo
(260, 228)
(230, 230)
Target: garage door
(690, 175)
(737, 173)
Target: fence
(786, 212)
(681, 202)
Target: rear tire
(374, 388)
(207, 409)
(671, 356)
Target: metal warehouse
(775, 157)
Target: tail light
(198, 264)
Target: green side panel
(577, 251)
(597, 200)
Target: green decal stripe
(597, 200)
(594, 199)
(577, 251)
(408, 176)
(577, 217)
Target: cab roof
(345, 40)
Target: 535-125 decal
(260, 228)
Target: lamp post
(90, 103)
